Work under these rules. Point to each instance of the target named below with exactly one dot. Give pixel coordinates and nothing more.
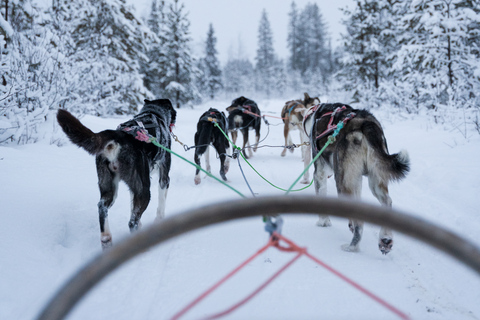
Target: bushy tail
(77, 132)
(399, 165)
(204, 138)
(392, 166)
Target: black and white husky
(244, 114)
(124, 154)
(207, 133)
(360, 149)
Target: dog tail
(393, 167)
(204, 138)
(77, 132)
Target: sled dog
(207, 133)
(292, 116)
(244, 114)
(125, 154)
(360, 149)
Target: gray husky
(360, 149)
(124, 154)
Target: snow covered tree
(109, 45)
(310, 56)
(213, 74)
(265, 58)
(153, 67)
(293, 38)
(370, 46)
(180, 70)
(27, 88)
(238, 76)
(438, 58)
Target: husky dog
(244, 114)
(207, 133)
(292, 116)
(360, 149)
(122, 156)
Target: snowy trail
(48, 199)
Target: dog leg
(257, 136)
(162, 199)
(306, 156)
(290, 141)
(245, 144)
(163, 185)
(320, 179)
(234, 139)
(108, 185)
(380, 191)
(349, 183)
(207, 159)
(140, 202)
(220, 148)
(196, 158)
(285, 135)
(105, 233)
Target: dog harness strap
(331, 127)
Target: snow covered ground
(49, 195)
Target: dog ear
(306, 96)
(146, 101)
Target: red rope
(215, 286)
(292, 247)
(350, 281)
(254, 293)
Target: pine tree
(293, 39)
(238, 76)
(212, 71)
(265, 58)
(436, 58)
(109, 46)
(370, 45)
(180, 70)
(27, 88)
(153, 67)
(310, 55)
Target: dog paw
(350, 248)
(291, 150)
(198, 180)
(106, 242)
(284, 152)
(385, 245)
(304, 181)
(324, 222)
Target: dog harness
(146, 126)
(330, 126)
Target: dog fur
(207, 133)
(238, 119)
(119, 156)
(292, 116)
(360, 149)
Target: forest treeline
(98, 57)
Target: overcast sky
(236, 22)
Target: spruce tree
(153, 67)
(437, 58)
(109, 45)
(265, 58)
(180, 70)
(213, 74)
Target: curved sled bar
(102, 265)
